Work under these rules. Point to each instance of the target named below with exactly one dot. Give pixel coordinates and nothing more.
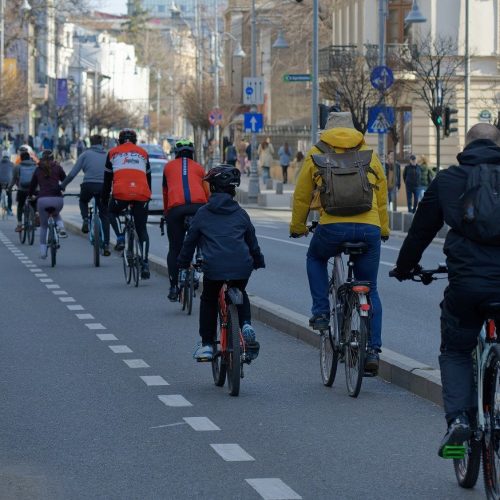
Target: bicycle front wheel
(96, 240)
(219, 365)
(329, 344)
(31, 226)
(491, 441)
(234, 350)
(356, 328)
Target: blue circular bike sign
(249, 91)
(382, 78)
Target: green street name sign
(297, 78)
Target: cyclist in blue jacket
(226, 236)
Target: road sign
(254, 91)
(215, 116)
(253, 122)
(297, 78)
(382, 78)
(380, 119)
(146, 121)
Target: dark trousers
(461, 323)
(176, 230)
(412, 193)
(140, 215)
(21, 200)
(284, 169)
(209, 307)
(89, 190)
(9, 196)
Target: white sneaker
(43, 251)
(62, 233)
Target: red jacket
(183, 183)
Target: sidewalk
(268, 198)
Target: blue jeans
(324, 245)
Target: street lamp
(415, 16)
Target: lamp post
(315, 75)
(158, 90)
(466, 69)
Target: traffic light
(449, 121)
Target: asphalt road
(102, 399)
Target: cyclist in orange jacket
(128, 174)
(184, 192)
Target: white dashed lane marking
(59, 292)
(201, 424)
(232, 452)
(85, 316)
(95, 326)
(272, 488)
(72, 307)
(46, 280)
(52, 287)
(67, 299)
(136, 363)
(120, 349)
(36, 270)
(154, 380)
(176, 400)
(106, 336)
(41, 275)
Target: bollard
(269, 184)
(279, 188)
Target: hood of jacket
(28, 163)
(98, 148)
(222, 203)
(480, 151)
(344, 138)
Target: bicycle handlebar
(425, 276)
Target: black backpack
(481, 205)
(345, 189)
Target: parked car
(157, 159)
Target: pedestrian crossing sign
(380, 119)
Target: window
(396, 31)
(161, 9)
(403, 122)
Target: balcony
(333, 57)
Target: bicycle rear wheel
(127, 267)
(31, 225)
(136, 261)
(219, 365)
(96, 239)
(23, 233)
(491, 440)
(52, 244)
(356, 335)
(234, 350)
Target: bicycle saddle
(490, 310)
(353, 248)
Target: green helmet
(184, 147)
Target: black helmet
(223, 178)
(127, 134)
(184, 148)
(47, 154)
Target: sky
(113, 6)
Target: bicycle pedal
(370, 374)
(454, 451)
(204, 360)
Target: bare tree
(197, 107)
(13, 104)
(111, 115)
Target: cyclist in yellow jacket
(368, 227)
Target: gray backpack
(345, 188)
(25, 174)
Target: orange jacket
(183, 183)
(128, 164)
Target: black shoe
(145, 274)
(372, 361)
(120, 243)
(320, 322)
(105, 251)
(252, 350)
(458, 433)
(173, 294)
(85, 226)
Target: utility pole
(2, 43)
(381, 62)
(158, 90)
(217, 155)
(467, 69)
(315, 75)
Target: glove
(297, 235)
(258, 262)
(384, 238)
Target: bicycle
(348, 334)
(231, 351)
(188, 279)
(28, 224)
(4, 207)
(132, 254)
(485, 438)
(96, 233)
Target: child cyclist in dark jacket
(224, 233)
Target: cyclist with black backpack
(465, 197)
(349, 180)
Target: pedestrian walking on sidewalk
(265, 153)
(285, 154)
(411, 176)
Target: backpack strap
(326, 148)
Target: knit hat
(339, 120)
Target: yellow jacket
(340, 139)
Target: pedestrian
(393, 175)
(265, 153)
(298, 163)
(242, 155)
(61, 147)
(37, 141)
(285, 154)
(426, 176)
(231, 154)
(80, 147)
(6, 169)
(411, 177)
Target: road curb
(416, 377)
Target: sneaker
(248, 333)
(63, 233)
(145, 274)
(203, 352)
(458, 433)
(120, 243)
(19, 228)
(372, 361)
(173, 294)
(105, 251)
(252, 350)
(320, 322)
(85, 226)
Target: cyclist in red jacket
(184, 192)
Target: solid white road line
(201, 424)
(67, 299)
(174, 400)
(105, 336)
(73, 307)
(51, 287)
(136, 363)
(59, 292)
(84, 316)
(272, 488)
(120, 349)
(95, 326)
(232, 452)
(154, 380)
